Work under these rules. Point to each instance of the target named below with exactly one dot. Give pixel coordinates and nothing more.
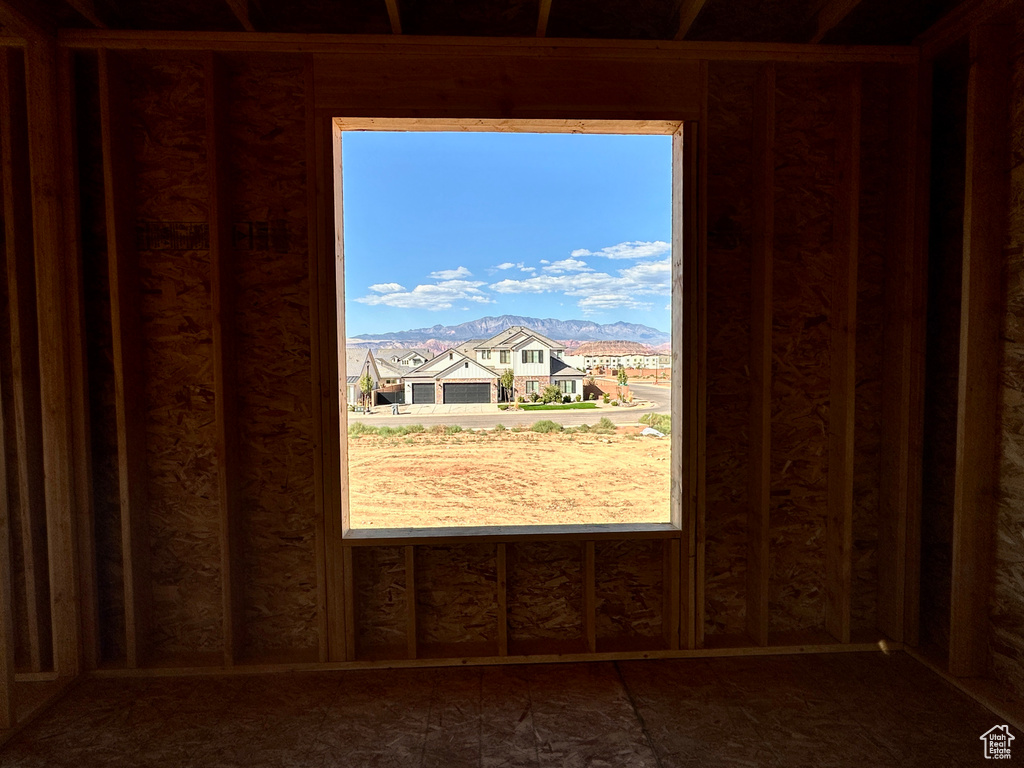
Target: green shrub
(503, 407)
(499, 428)
(579, 398)
(605, 426)
(583, 428)
(546, 425)
(452, 430)
(615, 402)
(359, 428)
(517, 429)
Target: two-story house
(471, 372)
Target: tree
(508, 383)
(623, 379)
(551, 394)
(365, 386)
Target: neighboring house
(616, 361)
(358, 362)
(471, 372)
(411, 357)
(451, 377)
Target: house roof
(356, 361)
(386, 353)
(561, 368)
(459, 363)
(389, 370)
(508, 339)
(467, 347)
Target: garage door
(467, 393)
(423, 394)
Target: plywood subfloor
(829, 710)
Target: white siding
(531, 369)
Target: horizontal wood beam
(689, 10)
(476, 46)
(831, 16)
(985, 201)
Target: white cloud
(431, 297)
(451, 274)
(602, 301)
(386, 288)
(635, 249)
(599, 290)
(567, 265)
(521, 266)
(507, 265)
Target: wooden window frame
(686, 299)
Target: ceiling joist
(394, 17)
(87, 10)
(831, 16)
(240, 8)
(689, 10)
(542, 18)
(24, 18)
(957, 23)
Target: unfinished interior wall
(1007, 606)
(534, 597)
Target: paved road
(660, 398)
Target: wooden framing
(900, 465)
(224, 362)
(689, 10)
(127, 352)
(762, 245)
(48, 221)
(980, 317)
(240, 10)
(839, 525)
(78, 371)
(394, 17)
(831, 16)
(8, 706)
(24, 395)
(469, 47)
(543, 13)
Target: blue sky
(448, 227)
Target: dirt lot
(508, 478)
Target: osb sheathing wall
(454, 591)
(1007, 608)
(806, 173)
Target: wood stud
(24, 394)
(127, 352)
(842, 397)
(762, 244)
(985, 201)
(48, 221)
(222, 292)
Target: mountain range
(570, 332)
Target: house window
(393, 292)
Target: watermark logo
(997, 742)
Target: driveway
(486, 415)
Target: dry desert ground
(508, 478)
